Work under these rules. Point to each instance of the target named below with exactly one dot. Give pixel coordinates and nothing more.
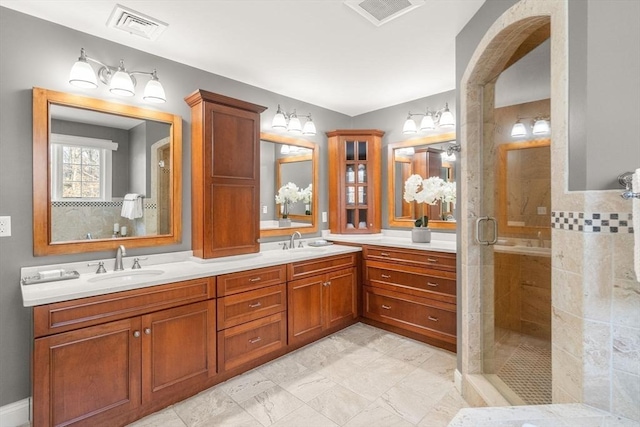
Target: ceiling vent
(136, 23)
(380, 12)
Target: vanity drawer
(414, 280)
(244, 343)
(410, 312)
(68, 315)
(436, 260)
(242, 281)
(312, 267)
(240, 308)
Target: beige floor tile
(406, 403)
(377, 416)
(339, 404)
(203, 406)
(246, 386)
(412, 352)
(165, 418)
(308, 385)
(305, 416)
(271, 405)
(282, 369)
(232, 417)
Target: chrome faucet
(292, 242)
(119, 254)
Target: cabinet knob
(327, 283)
(255, 279)
(386, 307)
(147, 331)
(433, 319)
(255, 340)
(136, 334)
(386, 276)
(255, 305)
(433, 285)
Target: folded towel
(635, 209)
(132, 206)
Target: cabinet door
(87, 376)
(305, 303)
(178, 349)
(340, 296)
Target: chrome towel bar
(626, 180)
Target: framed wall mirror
(422, 156)
(524, 188)
(285, 160)
(104, 174)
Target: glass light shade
(541, 127)
(518, 129)
(294, 125)
(309, 128)
(121, 84)
(82, 75)
(448, 157)
(154, 92)
(446, 119)
(427, 123)
(285, 149)
(409, 126)
(279, 122)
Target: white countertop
(158, 270)
(440, 242)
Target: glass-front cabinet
(354, 181)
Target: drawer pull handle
(255, 279)
(384, 253)
(386, 276)
(432, 260)
(147, 331)
(386, 307)
(255, 340)
(136, 334)
(433, 319)
(433, 285)
(255, 305)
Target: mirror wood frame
(391, 184)
(281, 139)
(504, 229)
(42, 244)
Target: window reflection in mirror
(96, 160)
(287, 160)
(425, 157)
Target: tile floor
(359, 377)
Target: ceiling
(318, 51)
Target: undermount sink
(126, 276)
(306, 250)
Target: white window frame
(106, 146)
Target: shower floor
(524, 367)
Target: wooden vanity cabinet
(252, 316)
(225, 175)
(113, 372)
(322, 298)
(354, 181)
(411, 291)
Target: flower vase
(421, 235)
(284, 221)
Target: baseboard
(16, 414)
(457, 381)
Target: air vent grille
(136, 23)
(380, 12)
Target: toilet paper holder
(626, 180)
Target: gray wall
(52, 50)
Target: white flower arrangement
(306, 194)
(287, 194)
(429, 191)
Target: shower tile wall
(73, 220)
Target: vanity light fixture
(291, 122)
(120, 81)
(442, 118)
(540, 126)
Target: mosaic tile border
(602, 222)
(86, 204)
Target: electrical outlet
(5, 226)
(542, 210)
(264, 209)
(324, 217)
